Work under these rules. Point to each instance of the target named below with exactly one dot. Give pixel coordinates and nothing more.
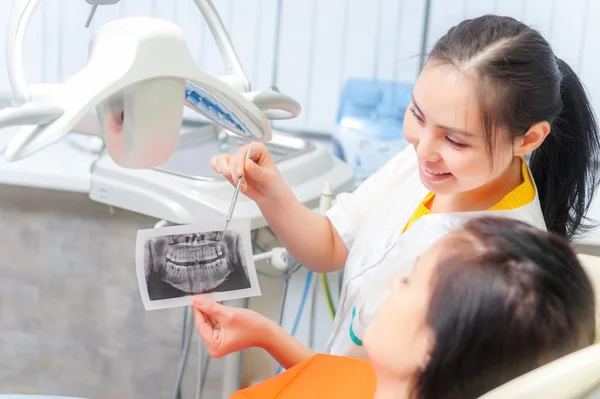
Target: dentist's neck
(389, 387)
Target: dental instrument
(236, 193)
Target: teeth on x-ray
(191, 264)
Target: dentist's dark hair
(522, 82)
(507, 299)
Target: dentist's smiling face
(194, 263)
(444, 124)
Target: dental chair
(576, 376)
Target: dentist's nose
(427, 148)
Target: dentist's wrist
(279, 203)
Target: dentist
(491, 93)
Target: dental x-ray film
(178, 262)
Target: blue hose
(300, 308)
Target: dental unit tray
(186, 190)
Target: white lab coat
(370, 221)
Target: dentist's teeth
(435, 173)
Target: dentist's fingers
(258, 154)
(220, 164)
(213, 164)
(235, 169)
(256, 173)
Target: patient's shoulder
(349, 363)
(344, 377)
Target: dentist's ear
(533, 138)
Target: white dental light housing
(139, 76)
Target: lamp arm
(223, 41)
(20, 15)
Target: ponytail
(564, 167)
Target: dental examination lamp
(139, 77)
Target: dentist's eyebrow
(449, 129)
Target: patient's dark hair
(507, 299)
(522, 82)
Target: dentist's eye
(416, 115)
(456, 143)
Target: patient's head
(484, 304)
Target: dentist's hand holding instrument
(261, 181)
(307, 235)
